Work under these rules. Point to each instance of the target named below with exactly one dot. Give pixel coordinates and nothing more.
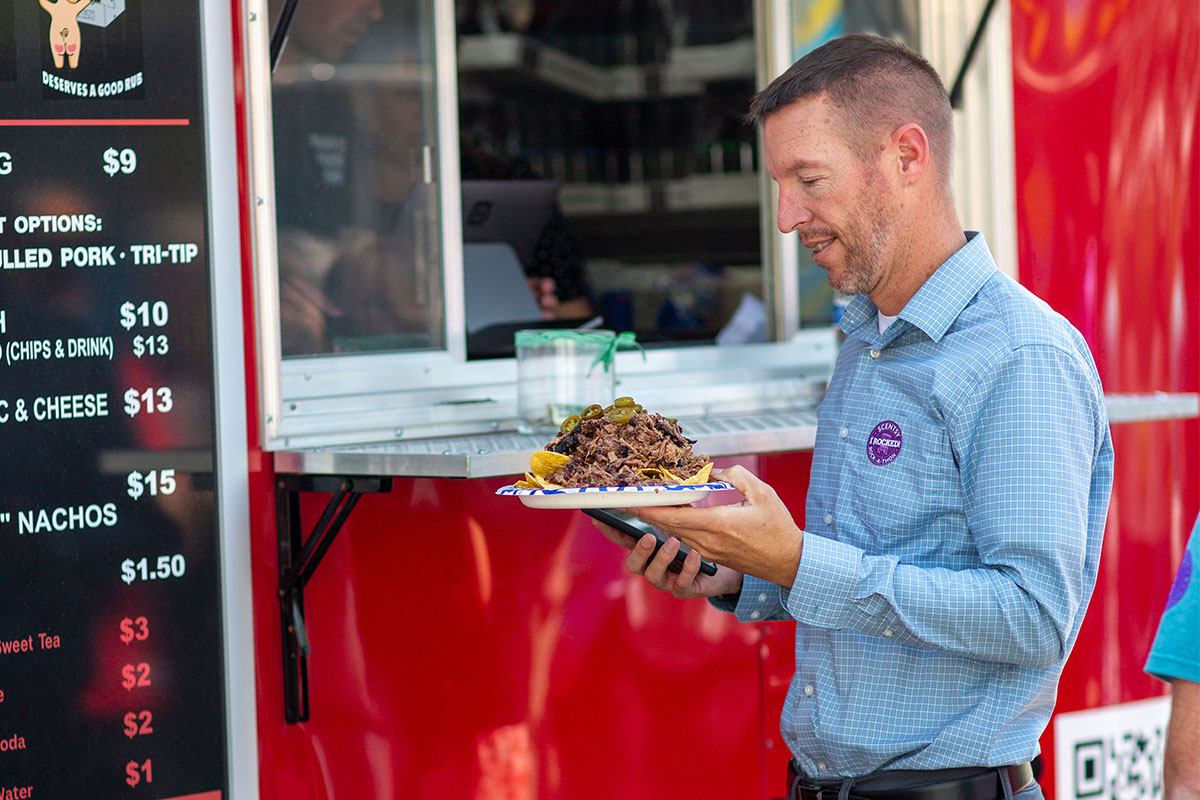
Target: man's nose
(793, 212)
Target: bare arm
(1181, 771)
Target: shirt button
(874, 354)
(820, 766)
(754, 615)
(808, 690)
(829, 519)
(887, 632)
(844, 432)
(762, 598)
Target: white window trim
(336, 400)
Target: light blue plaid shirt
(959, 487)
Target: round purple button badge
(883, 444)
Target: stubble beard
(863, 265)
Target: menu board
(112, 682)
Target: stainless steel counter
(491, 455)
(497, 454)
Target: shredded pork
(607, 453)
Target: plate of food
(621, 456)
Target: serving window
(429, 178)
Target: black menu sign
(111, 652)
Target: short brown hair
(878, 84)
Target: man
(1175, 657)
(961, 472)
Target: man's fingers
(639, 554)
(683, 581)
(742, 479)
(656, 570)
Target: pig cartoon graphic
(64, 29)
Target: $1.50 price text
(164, 567)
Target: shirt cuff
(759, 601)
(823, 592)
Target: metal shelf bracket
(298, 560)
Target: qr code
(1126, 766)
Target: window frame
(312, 402)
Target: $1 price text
(135, 773)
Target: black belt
(983, 785)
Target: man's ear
(912, 151)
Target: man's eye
(810, 181)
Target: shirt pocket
(906, 490)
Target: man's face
(841, 207)
(328, 28)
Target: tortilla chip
(701, 476)
(671, 477)
(545, 484)
(544, 462)
(527, 483)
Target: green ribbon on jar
(607, 341)
(622, 339)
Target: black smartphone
(632, 526)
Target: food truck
(263, 265)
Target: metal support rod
(956, 89)
(299, 558)
(320, 533)
(280, 34)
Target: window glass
(815, 22)
(631, 115)
(357, 227)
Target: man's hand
(756, 536)
(686, 583)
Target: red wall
(1107, 114)
(467, 647)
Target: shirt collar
(939, 301)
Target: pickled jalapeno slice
(594, 411)
(569, 424)
(621, 415)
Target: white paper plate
(613, 496)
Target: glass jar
(562, 372)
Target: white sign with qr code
(1111, 753)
